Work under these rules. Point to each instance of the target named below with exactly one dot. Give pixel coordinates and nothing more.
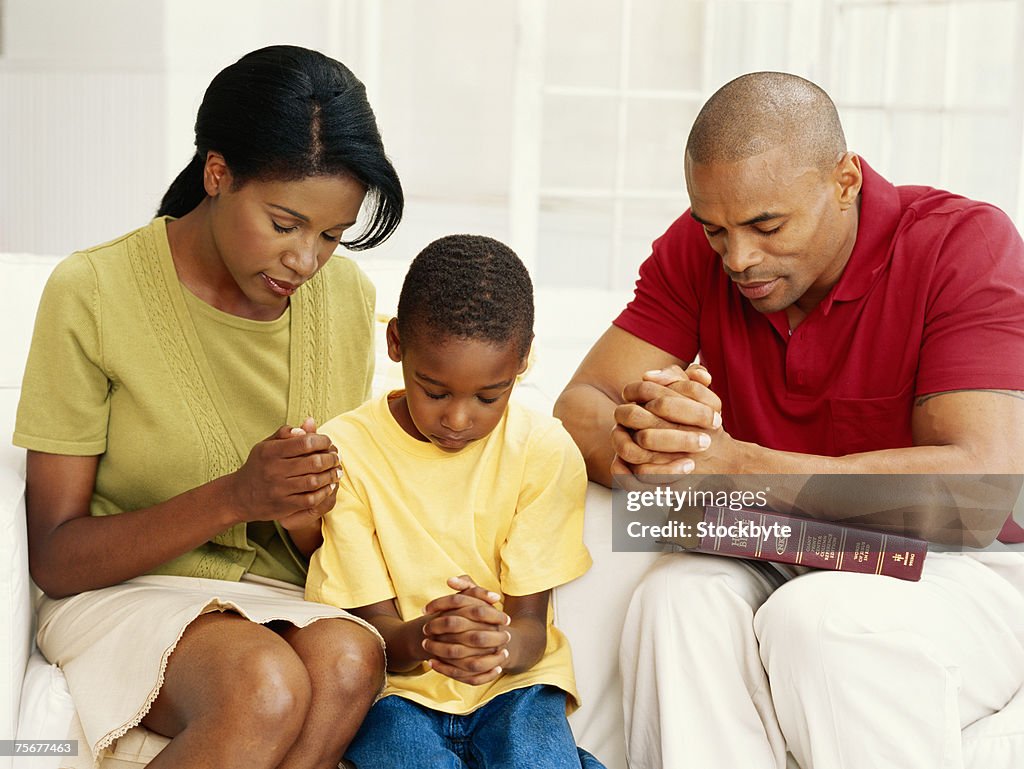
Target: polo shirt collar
(879, 216)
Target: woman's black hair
(287, 113)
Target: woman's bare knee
(340, 655)
(235, 680)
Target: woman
(169, 533)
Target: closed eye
(482, 399)
(281, 229)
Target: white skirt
(113, 644)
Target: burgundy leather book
(761, 535)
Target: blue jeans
(521, 728)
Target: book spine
(762, 535)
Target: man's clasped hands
(670, 423)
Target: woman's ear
(394, 344)
(216, 174)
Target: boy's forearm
(527, 644)
(403, 641)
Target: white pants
(845, 671)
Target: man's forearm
(588, 415)
(936, 495)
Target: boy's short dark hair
(468, 287)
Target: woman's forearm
(86, 553)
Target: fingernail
(508, 620)
(704, 440)
(508, 640)
(654, 372)
(493, 596)
(337, 472)
(688, 466)
(334, 486)
(716, 421)
(505, 651)
(423, 643)
(297, 431)
(498, 669)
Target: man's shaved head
(763, 110)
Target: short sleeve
(665, 309)
(974, 326)
(349, 570)
(544, 548)
(65, 394)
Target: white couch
(34, 701)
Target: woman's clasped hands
(290, 477)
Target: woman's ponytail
(186, 191)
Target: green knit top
(172, 393)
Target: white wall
(98, 100)
(583, 104)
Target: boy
(448, 487)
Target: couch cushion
(47, 714)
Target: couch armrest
(15, 602)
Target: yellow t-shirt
(124, 364)
(507, 510)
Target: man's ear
(216, 174)
(394, 344)
(848, 177)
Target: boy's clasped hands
(467, 638)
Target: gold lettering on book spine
(881, 554)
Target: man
(844, 325)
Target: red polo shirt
(932, 299)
